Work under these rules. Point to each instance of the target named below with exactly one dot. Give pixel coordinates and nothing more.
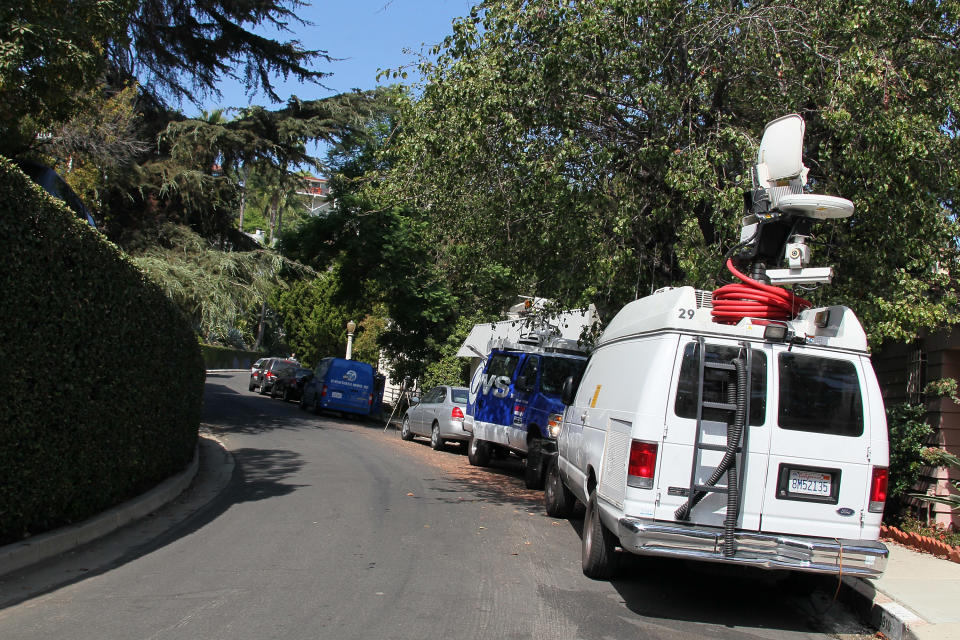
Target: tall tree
(598, 150)
(182, 49)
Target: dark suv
(263, 377)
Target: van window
(529, 372)
(503, 364)
(820, 395)
(323, 367)
(556, 370)
(715, 383)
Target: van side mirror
(569, 391)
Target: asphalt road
(333, 528)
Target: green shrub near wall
(225, 358)
(102, 377)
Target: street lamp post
(351, 327)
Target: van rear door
(349, 386)
(819, 474)
(677, 454)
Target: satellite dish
(816, 206)
(781, 148)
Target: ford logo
(350, 376)
(845, 511)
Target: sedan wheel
(405, 433)
(436, 442)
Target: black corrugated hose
(728, 464)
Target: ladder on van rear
(736, 411)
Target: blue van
(340, 385)
(514, 405)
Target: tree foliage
(51, 56)
(214, 288)
(594, 151)
(184, 48)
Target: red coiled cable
(752, 299)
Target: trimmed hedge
(215, 357)
(101, 375)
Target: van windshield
(820, 395)
(556, 370)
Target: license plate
(336, 394)
(810, 483)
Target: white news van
(704, 432)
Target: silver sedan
(437, 415)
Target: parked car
(438, 415)
(289, 386)
(264, 377)
(340, 385)
(253, 370)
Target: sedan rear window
(459, 395)
(820, 395)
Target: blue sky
(367, 34)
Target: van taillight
(323, 391)
(878, 490)
(643, 461)
(456, 414)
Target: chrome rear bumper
(863, 558)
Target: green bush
(102, 377)
(215, 357)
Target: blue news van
(341, 385)
(514, 406)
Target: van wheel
(436, 442)
(286, 394)
(478, 452)
(405, 433)
(599, 552)
(533, 470)
(263, 388)
(557, 499)
(252, 385)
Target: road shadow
(226, 411)
(755, 602)
(258, 474)
(261, 473)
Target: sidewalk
(917, 598)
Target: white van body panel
(616, 391)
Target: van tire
(436, 442)
(405, 433)
(533, 469)
(557, 499)
(263, 388)
(599, 552)
(478, 452)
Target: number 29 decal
(686, 314)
